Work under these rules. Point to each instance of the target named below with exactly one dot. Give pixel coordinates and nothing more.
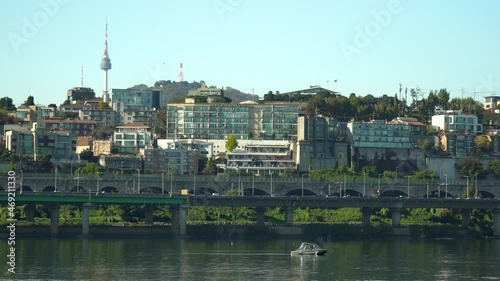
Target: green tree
(231, 142)
(6, 103)
(469, 167)
(290, 172)
(425, 174)
(369, 171)
(29, 101)
(483, 144)
(91, 168)
(103, 105)
(494, 167)
(103, 133)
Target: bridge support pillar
(54, 220)
(179, 219)
(289, 215)
(496, 223)
(396, 217)
(148, 214)
(366, 213)
(30, 212)
(261, 218)
(86, 218)
(465, 217)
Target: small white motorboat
(310, 249)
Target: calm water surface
(179, 259)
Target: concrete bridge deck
(180, 205)
(299, 186)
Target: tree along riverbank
(433, 222)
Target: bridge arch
(78, 188)
(256, 191)
(298, 192)
(25, 188)
(49, 188)
(485, 194)
(109, 189)
(150, 189)
(205, 191)
(393, 193)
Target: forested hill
(175, 89)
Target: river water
(194, 259)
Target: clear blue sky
(369, 47)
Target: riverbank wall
(323, 231)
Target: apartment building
(130, 138)
(455, 121)
(246, 120)
(456, 144)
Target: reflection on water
(180, 259)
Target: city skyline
(367, 48)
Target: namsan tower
(105, 65)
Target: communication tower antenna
(81, 78)
(105, 65)
(181, 74)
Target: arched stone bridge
(213, 185)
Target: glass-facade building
(380, 134)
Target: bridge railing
(334, 182)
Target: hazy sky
(369, 47)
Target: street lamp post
(378, 190)
(21, 187)
(171, 182)
(475, 196)
(55, 180)
(303, 183)
(97, 188)
(162, 182)
(408, 186)
(239, 183)
(78, 180)
(446, 186)
(364, 184)
(253, 183)
(345, 184)
(194, 183)
(467, 188)
(138, 181)
(271, 184)
(121, 168)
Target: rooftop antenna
(81, 78)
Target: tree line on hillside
(365, 108)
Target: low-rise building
(76, 126)
(385, 145)
(130, 138)
(38, 142)
(455, 121)
(80, 94)
(102, 117)
(456, 144)
(260, 159)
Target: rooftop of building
(81, 89)
(68, 120)
(311, 90)
(132, 125)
